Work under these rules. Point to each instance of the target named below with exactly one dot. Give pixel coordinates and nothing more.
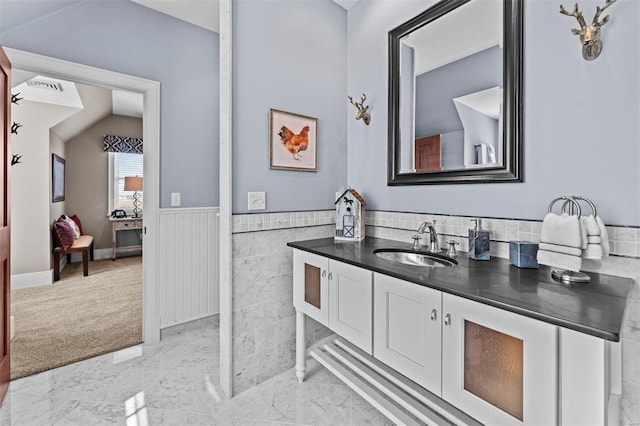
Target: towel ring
(567, 200)
(588, 201)
(565, 276)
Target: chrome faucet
(433, 237)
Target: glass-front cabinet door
(310, 285)
(498, 367)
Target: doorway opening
(149, 90)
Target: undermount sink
(418, 258)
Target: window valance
(124, 144)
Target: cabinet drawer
(128, 224)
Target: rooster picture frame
(293, 141)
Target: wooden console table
(124, 224)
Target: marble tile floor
(175, 382)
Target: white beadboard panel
(188, 264)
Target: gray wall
(291, 56)
(581, 128)
(122, 36)
(88, 179)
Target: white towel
(562, 239)
(562, 229)
(593, 251)
(557, 248)
(590, 225)
(560, 260)
(596, 241)
(604, 236)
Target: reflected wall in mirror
(454, 94)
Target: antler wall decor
(15, 158)
(589, 34)
(363, 112)
(14, 128)
(15, 99)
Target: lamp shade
(133, 183)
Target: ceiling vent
(48, 85)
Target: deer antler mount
(363, 112)
(589, 34)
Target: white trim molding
(226, 174)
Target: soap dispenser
(478, 242)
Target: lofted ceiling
(346, 3)
(92, 103)
(203, 13)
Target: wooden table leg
(85, 261)
(56, 266)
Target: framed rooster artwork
(293, 141)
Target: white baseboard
(34, 279)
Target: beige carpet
(77, 317)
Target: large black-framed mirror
(455, 94)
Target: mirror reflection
(451, 91)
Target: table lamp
(134, 183)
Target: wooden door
(5, 161)
(428, 155)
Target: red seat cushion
(64, 234)
(76, 219)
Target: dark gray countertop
(596, 308)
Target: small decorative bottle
(479, 242)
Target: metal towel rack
(572, 203)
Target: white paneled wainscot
(188, 264)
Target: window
(120, 166)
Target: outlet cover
(175, 199)
(257, 201)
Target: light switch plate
(257, 201)
(175, 199)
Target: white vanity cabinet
(336, 294)
(407, 329)
(500, 366)
(492, 365)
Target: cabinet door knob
(447, 319)
(324, 273)
(434, 315)
(330, 275)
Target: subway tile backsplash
(271, 221)
(624, 241)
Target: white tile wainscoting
(263, 318)
(188, 269)
(263, 315)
